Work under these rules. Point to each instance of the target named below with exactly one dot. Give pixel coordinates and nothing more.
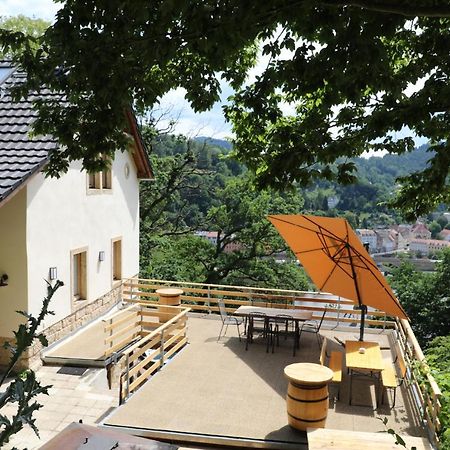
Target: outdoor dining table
(298, 315)
(363, 358)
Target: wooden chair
(389, 377)
(227, 320)
(334, 363)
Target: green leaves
(341, 80)
(21, 391)
(437, 358)
(25, 386)
(199, 188)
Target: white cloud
(209, 123)
(43, 9)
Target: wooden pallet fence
(148, 354)
(121, 328)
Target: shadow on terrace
(203, 390)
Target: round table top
(308, 373)
(169, 292)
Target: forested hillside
(365, 204)
(199, 186)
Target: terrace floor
(217, 392)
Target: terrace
(178, 383)
(174, 381)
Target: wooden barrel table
(307, 396)
(168, 296)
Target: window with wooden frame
(106, 179)
(94, 181)
(100, 181)
(117, 259)
(79, 274)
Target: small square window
(100, 180)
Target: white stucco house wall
(82, 229)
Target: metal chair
(312, 326)
(252, 327)
(284, 320)
(228, 320)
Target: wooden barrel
(307, 395)
(168, 296)
(307, 406)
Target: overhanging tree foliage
(346, 68)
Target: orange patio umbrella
(337, 262)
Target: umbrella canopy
(337, 262)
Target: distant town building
(211, 236)
(233, 246)
(367, 237)
(426, 246)
(386, 240)
(445, 235)
(403, 236)
(420, 231)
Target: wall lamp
(4, 280)
(53, 273)
(101, 255)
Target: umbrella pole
(363, 317)
(358, 294)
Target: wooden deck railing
(204, 297)
(156, 342)
(425, 392)
(139, 343)
(121, 329)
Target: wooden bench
(389, 377)
(334, 363)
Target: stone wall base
(31, 359)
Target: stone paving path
(71, 398)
